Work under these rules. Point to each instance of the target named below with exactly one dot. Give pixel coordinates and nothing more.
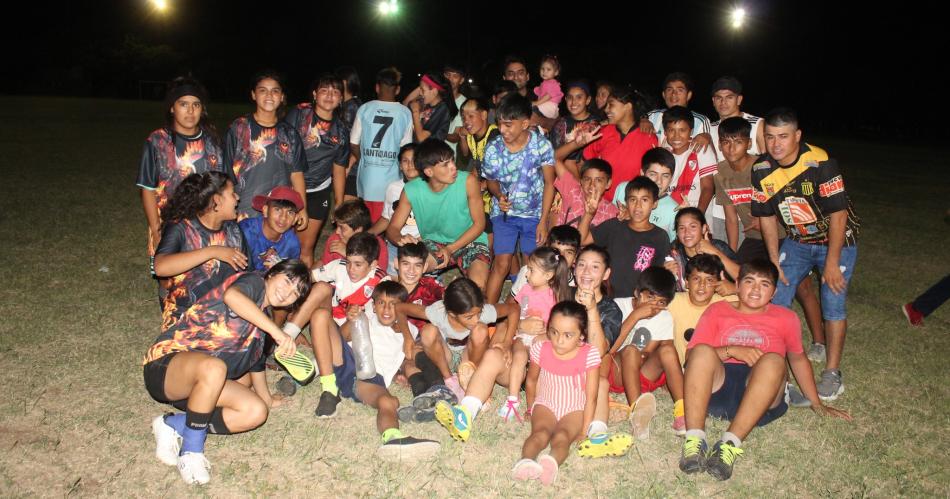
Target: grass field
(78, 310)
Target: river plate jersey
(803, 196)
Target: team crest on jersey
(367, 291)
(807, 188)
(769, 188)
(692, 164)
(762, 165)
(831, 187)
(797, 211)
(759, 196)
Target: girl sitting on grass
(210, 364)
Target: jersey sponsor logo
(797, 211)
(811, 163)
(831, 187)
(807, 188)
(789, 189)
(759, 196)
(644, 258)
(740, 196)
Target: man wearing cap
(270, 237)
(727, 98)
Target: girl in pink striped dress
(561, 389)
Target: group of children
(619, 284)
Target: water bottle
(680, 278)
(362, 347)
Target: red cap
(280, 193)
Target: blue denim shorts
(798, 259)
(508, 230)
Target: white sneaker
(194, 468)
(167, 441)
(644, 408)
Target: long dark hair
(445, 94)
(272, 75)
(332, 81)
(573, 310)
(297, 271)
(194, 196)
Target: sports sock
(429, 370)
(678, 408)
(596, 427)
(391, 434)
(418, 384)
(291, 329)
(195, 432)
(472, 404)
(328, 383)
(732, 439)
(176, 421)
(701, 434)
(216, 426)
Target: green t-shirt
(441, 216)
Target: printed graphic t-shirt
(631, 252)
(166, 161)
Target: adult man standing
(799, 186)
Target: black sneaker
(286, 386)
(410, 414)
(693, 458)
(429, 399)
(326, 408)
(407, 448)
(722, 457)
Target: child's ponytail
(551, 260)
(193, 196)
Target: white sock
(291, 329)
(732, 438)
(701, 434)
(514, 400)
(472, 404)
(596, 427)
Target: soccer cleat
(642, 414)
(693, 458)
(298, 365)
(549, 469)
(427, 400)
(605, 445)
(407, 448)
(722, 457)
(817, 353)
(194, 468)
(914, 317)
(454, 418)
(326, 408)
(411, 414)
(830, 385)
(167, 441)
(526, 469)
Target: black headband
(186, 89)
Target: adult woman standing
(326, 146)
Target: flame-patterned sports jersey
(210, 326)
(261, 158)
(803, 196)
(167, 160)
(325, 143)
(187, 288)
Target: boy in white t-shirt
(391, 339)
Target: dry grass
(74, 417)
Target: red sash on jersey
(360, 296)
(685, 182)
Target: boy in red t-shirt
(735, 370)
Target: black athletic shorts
(318, 204)
(154, 374)
(349, 189)
(724, 403)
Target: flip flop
(298, 366)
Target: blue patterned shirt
(519, 173)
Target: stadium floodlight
(160, 5)
(737, 17)
(388, 7)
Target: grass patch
(74, 419)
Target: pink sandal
(526, 469)
(548, 469)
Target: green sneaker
(455, 418)
(693, 458)
(721, 459)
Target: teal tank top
(441, 216)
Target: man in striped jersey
(677, 91)
(799, 186)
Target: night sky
(847, 68)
